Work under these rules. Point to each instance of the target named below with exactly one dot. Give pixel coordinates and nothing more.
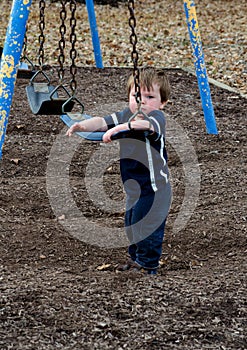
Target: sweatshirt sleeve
(118, 118)
(158, 121)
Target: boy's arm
(93, 124)
(136, 124)
(156, 123)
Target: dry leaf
(42, 256)
(103, 267)
(160, 44)
(15, 160)
(21, 126)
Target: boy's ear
(163, 104)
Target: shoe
(126, 266)
(131, 265)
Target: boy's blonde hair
(149, 76)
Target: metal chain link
(134, 54)
(73, 52)
(42, 28)
(62, 30)
(24, 47)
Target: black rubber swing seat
(43, 98)
(69, 120)
(23, 71)
(26, 69)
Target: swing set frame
(13, 47)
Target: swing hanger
(42, 96)
(41, 35)
(69, 119)
(73, 67)
(61, 58)
(26, 69)
(73, 51)
(136, 70)
(134, 53)
(61, 43)
(143, 115)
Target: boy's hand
(74, 128)
(107, 136)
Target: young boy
(143, 166)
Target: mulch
(59, 290)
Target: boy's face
(150, 100)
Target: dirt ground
(58, 291)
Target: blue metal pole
(94, 33)
(10, 60)
(200, 67)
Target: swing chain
(73, 52)
(42, 28)
(134, 54)
(24, 47)
(62, 30)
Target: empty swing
(26, 69)
(43, 97)
(69, 118)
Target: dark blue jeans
(145, 224)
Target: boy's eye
(150, 96)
